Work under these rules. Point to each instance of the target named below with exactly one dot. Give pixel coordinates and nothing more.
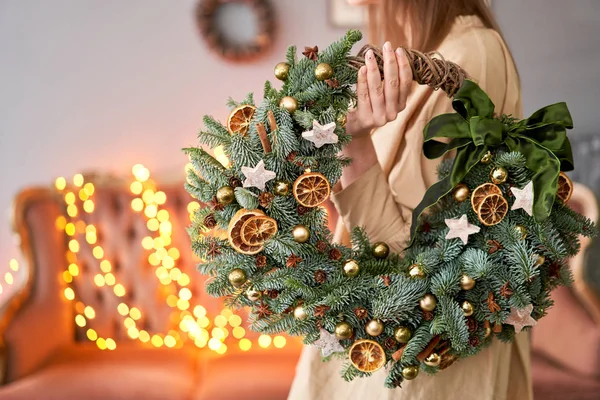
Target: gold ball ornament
(487, 158)
(342, 119)
(282, 70)
(467, 308)
(343, 330)
(289, 103)
(416, 271)
(402, 334)
(323, 71)
(253, 295)
(351, 268)
(282, 188)
(540, 260)
(300, 233)
(460, 192)
(433, 360)
(300, 313)
(409, 373)
(488, 332)
(498, 175)
(374, 327)
(522, 231)
(428, 302)
(381, 250)
(466, 282)
(237, 277)
(225, 195)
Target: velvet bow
(473, 131)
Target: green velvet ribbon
(473, 131)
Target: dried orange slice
(565, 187)
(481, 192)
(311, 189)
(256, 230)
(367, 355)
(492, 209)
(234, 230)
(240, 118)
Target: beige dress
(382, 200)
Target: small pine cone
(321, 310)
(291, 157)
(474, 341)
(494, 246)
(361, 312)
(335, 254)
(427, 315)
(309, 103)
(209, 221)
(235, 182)
(333, 83)
(386, 280)
(472, 324)
(322, 246)
(302, 210)
(265, 199)
(261, 261)
(554, 269)
(391, 344)
(320, 276)
(272, 293)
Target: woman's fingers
(375, 89)
(363, 100)
(391, 82)
(406, 78)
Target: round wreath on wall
(489, 241)
(214, 37)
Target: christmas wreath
(489, 241)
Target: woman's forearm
(362, 151)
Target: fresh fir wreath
(489, 241)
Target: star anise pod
(335, 254)
(210, 221)
(213, 250)
(494, 246)
(311, 53)
(506, 291)
(321, 310)
(471, 324)
(492, 305)
(322, 246)
(333, 83)
(427, 315)
(235, 182)
(291, 156)
(320, 276)
(272, 293)
(293, 261)
(390, 343)
(215, 205)
(302, 210)
(554, 269)
(262, 310)
(265, 199)
(474, 341)
(361, 312)
(261, 261)
(386, 280)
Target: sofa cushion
(551, 382)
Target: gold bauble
(402, 334)
(540, 260)
(381, 250)
(253, 295)
(225, 195)
(410, 372)
(487, 158)
(281, 188)
(343, 330)
(289, 103)
(374, 327)
(498, 175)
(300, 233)
(467, 308)
(428, 302)
(237, 277)
(416, 271)
(323, 71)
(300, 313)
(342, 119)
(488, 332)
(351, 268)
(466, 282)
(433, 360)
(460, 192)
(522, 231)
(282, 70)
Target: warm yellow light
(61, 222)
(218, 333)
(153, 224)
(119, 290)
(8, 278)
(14, 265)
(200, 342)
(264, 341)
(105, 266)
(162, 215)
(222, 349)
(78, 180)
(214, 344)
(69, 293)
(173, 253)
(123, 309)
(98, 252)
(166, 228)
(111, 344)
(193, 206)
(67, 277)
(136, 187)
(73, 269)
(158, 243)
(184, 279)
(203, 322)
(99, 280)
(219, 152)
(60, 183)
(144, 336)
(72, 210)
(70, 229)
(235, 320)
(170, 341)
(161, 273)
(89, 312)
(165, 281)
(137, 204)
(135, 313)
(91, 238)
(89, 188)
(199, 311)
(166, 239)
(172, 300)
(168, 262)
(220, 321)
(153, 259)
(245, 344)
(226, 312)
(161, 253)
(70, 198)
(185, 294)
(150, 211)
(110, 279)
(91, 334)
(80, 320)
(148, 196)
(140, 172)
(101, 343)
(83, 196)
(147, 243)
(128, 322)
(74, 246)
(133, 333)
(175, 274)
(88, 206)
(157, 341)
(279, 342)
(183, 304)
(89, 229)
(160, 198)
(238, 332)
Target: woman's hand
(379, 102)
